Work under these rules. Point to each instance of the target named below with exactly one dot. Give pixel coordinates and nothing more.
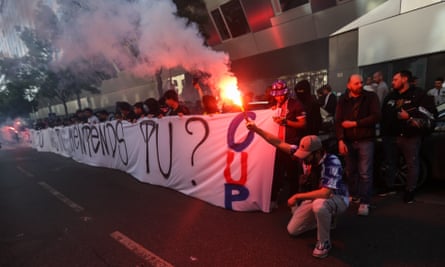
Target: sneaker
(363, 210)
(388, 192)
(408, 198)
(321, 249)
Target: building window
(319, 5)
(258, 14)
(289, 4)
(230, 20)
(317, 78)
(220, 25)
(235, 18)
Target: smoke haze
(140, 36)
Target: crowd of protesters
(327, 184)
(168, 105)
(321, 183)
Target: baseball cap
(308, 144)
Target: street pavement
(57, 212)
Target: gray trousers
(316, 214)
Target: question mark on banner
(206, 128)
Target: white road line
(25, 172)
(61, 197)
(139, 250)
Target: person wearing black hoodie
(311, 106)
(407, 115)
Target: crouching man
(323, 194)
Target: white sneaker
(363, 210)
(322, 249)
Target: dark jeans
(285, 168)
(359, 169)
(409, 148)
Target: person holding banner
(291, 118)
(175, 108)
(323, 193)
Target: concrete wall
(409, 34)
(342, 59)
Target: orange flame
(229, 90)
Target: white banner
(213, 158)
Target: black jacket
(331, 105)
(313, 117)
(294, 109)
(180, 109)
(410, 101)
(365, 110)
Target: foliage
(33, 76)
(18, 88)
(13, 101)
(24, 75)
(26, 79)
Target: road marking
(139, 250)
(25, 172)
(61, 197)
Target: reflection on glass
(235, 18)
(316, 78)
(219, 22)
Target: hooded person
(313, 116)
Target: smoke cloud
(140, 36)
